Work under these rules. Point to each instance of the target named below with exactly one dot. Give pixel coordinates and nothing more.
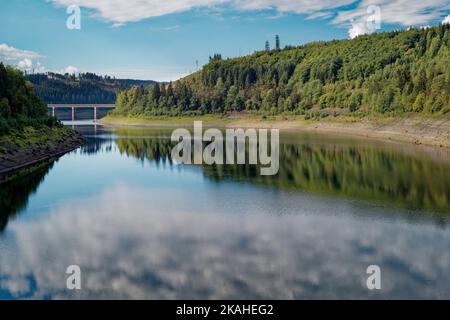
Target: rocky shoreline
(17, 159)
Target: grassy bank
(254, 119)
(417, 129)
(30, 137)
(122, 120)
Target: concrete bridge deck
(74, 106)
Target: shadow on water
(14, 194)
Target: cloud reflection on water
(148, 243)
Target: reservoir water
(140, 226)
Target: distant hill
(387, 73)
(84, 88)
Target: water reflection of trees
(338, 169)
(14, 194)
(354, 171)
(157, 149)
(96, 145)
(363, 172)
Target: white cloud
(21, 59)
(25, 64)
(403, 12)
(120, 11)
(310, 7)
(117, 25)
(358, 29)
(446, 20)
(71, 70)
(8, 53)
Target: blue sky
(162, 39)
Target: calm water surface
(140, 226)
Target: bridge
(80, 106)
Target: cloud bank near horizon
(30, 62)
(346, 13)
(22, 59)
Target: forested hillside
(83, 88)
(394, 72)
(29, 137)
(19, 106)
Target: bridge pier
(95, 114)
(73, 113)
(53, 112)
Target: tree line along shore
(28, 135)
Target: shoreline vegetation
(392, 86)
(28, 135)
(419, 130)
